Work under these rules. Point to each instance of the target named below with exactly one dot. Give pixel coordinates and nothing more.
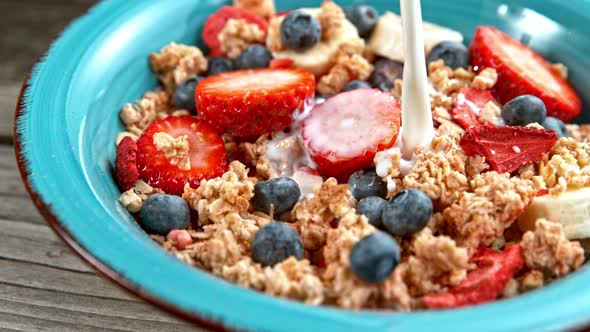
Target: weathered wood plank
(11, 183)
(7, 157)
(8, 97)
(37, 244)
(17, 322)
(19, 208)
(33, 25)
(75, 315)
(51, 278)
(85, 304)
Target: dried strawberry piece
(282, 63)
(485, 283)
(507, 148)
(468, 104)
(126, 172)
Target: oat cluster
(133, 198)
(176, 149)
(237, 35)
(547, 249)
(152, 106)
(350, 64)
(177, 63)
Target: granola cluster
(547, 249)
(492, 203)
(349, 65)
(436, 263)
(152, 106)
(133, 198)
(313, 215)
(215, 198)
(175, 149)
(567, 167)
(177, 63)
(237, 35)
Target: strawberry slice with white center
(249, 103)
(523, 71)
(343, 134)
(206, 155)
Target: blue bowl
(68, 118)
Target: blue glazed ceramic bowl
(68, 118)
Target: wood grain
(44, 286)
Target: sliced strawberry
(343, 134)
(217, 21)
(249, 103)
(468, 104)
(206, 151)
(523, 71)
(282, 63)
(507, 148)
(485, 283)
(126, 173)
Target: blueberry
(374, 257)
(385, 73)
(363, 17)
(407, 212)
(276, 195)
(353, 85)
(161, 214)
(275, 242)
(255, 56)
(366, 183)
(300, 31)
(371, 207)
(454, 54)
(556, 125)
(184, 96)
(524, 110)
(220, 65)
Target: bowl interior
(70, 119)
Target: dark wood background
(44, 286)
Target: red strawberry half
(523, 71)
(343, 134)
(126, 173)
(507, 148)
(249, 103)
(206, 152)
(468, 104)
(217, 21)
(485, 283)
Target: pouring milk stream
(418, 128)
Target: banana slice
(319, 58)
(387, 40)
(571, 209)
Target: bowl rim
(58, 226)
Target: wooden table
(44, 286)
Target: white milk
(416, 112)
